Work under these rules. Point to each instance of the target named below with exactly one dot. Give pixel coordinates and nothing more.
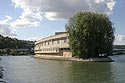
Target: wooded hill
(9, 44)
(119, 46)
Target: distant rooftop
(57, 33)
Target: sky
(35, 19)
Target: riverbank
(1, 74)
(107, 59)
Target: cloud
(7, 18)
(33, 12)
(24, 23)
(5, 28)
(120, 40)
(60, 9)
(27, 19)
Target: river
(25, 69)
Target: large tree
(90, 34)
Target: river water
(25, 69)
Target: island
(89, 37)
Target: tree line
(119, 46)
(13, 46)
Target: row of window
(53, 42)
(64, 48)
(50, 49)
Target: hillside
(11, 45)
(119, 46)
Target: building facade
(53, 46)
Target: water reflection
(25, 69)
(91, 72)
(118, 68)
(119, 58)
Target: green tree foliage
(10, 45)
(13, 43)
(119, 46)
(90, 34)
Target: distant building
(53, 46)
(22, 50)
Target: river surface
(25, 69)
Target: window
(57, 41)
(41, 44)
(65, 40)
(57, 49)
(52, 42)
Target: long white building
(53, 46)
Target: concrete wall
(67, 54)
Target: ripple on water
(24, 69)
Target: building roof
(56, 36)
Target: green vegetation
(14, 46)
(119, 46)
(90, 35)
